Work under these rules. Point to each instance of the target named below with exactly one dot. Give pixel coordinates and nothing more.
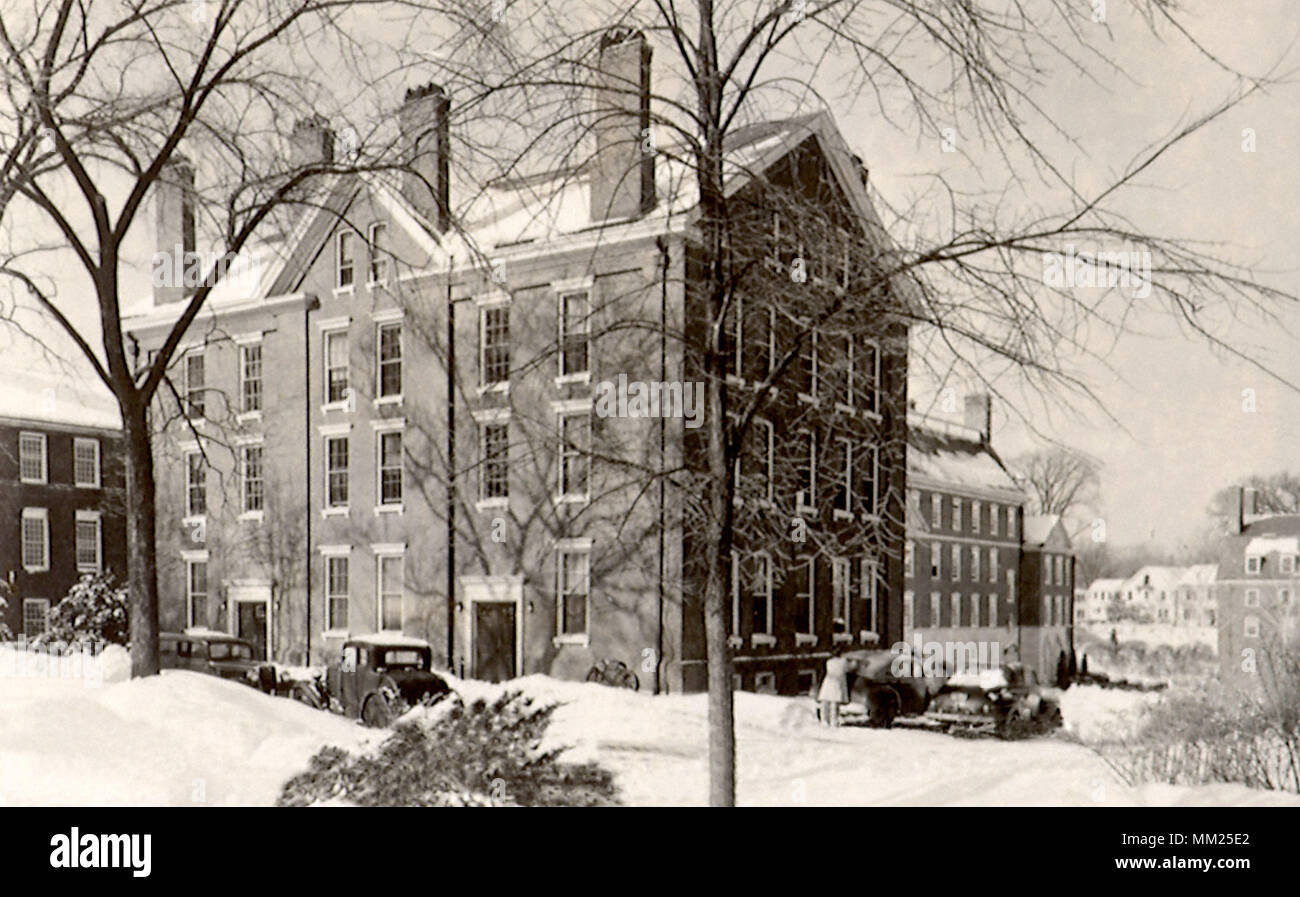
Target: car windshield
(229, 651)
(402, 658)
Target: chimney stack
(174, 226)
(312, 142)
(426, 152)
(979, 415)
(1236, 512)
(623, 177)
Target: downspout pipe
(311, 304)
(662, 244)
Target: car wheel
(884, 708)
(375, 712)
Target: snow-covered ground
(186, 739)
(1155, 634)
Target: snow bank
(180, 739)
(1098, 715)
(90, 669)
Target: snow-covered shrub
(92, 613)
(477, 755)
(5, 591)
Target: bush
(93, 613)
(5, 591)
(480, 755)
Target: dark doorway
(494, 640)
(252, 626)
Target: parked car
(1007, 701)
(883, 694)
(375, 678)
(216, 654)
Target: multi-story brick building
(964, 524)
(1045, 632)
(308, 486)
(60, 495)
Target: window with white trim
(1254, 563)
(956, 514)
(33, 462)
(377, 244)
(936, 510)
(494, 475)
(1250, 627)
(85, 463)
(866, 376)
(759, 569)
(250, 377)
(1047, 569)
(909, 610)
(391, 569)
(345, 259)
(870, 589)
(1060, 569)
(993, 610)
(936, 609)
(806, 496)
(196, 593)
(844, 480)
(909, 558)
(337, 591)
(868, 474)
(756, 462)
(1286, 563)
(388, 354)
(494, 345)
(388, 451)
(89, 542)
(196, 485)
(993, 564)
(574, 312)
(575, 458)
(337, 362)
(36, 539)
(936, 560)
(805, 605)
(954, 608)
(1252, 598)
(253, 486)
(36, 616)
(572, 590)
(195, 368)
(841, 595)
(995, 520)
(976, 554)
(975, 609)
(976, 516)
(336, 471)
(954, 571)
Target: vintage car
(885, 691)
(1007, 701)
(375, 678)
(216, 654)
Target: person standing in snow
(835, 687)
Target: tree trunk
(141, 549)
(722, 727)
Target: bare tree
(1059, 480)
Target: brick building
(60, 495)
(304, 461)
(1045, 630)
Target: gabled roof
(1045, 531)
(1105, 585)
(1264, 531)
(942, 454)
(1162, 578)
(56, 398)
(1199, 575)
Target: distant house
(1097, 599)
(61, 481)
(1149, 593)
(1194, 601)
(1258, 578)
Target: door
(252, 626)
(494, 640)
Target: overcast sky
(1173, 427)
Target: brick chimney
(312, 142)
(978, 414)
(623, 171)
(426, 152)
(174, 223)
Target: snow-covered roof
(1038, 527)
(1105, 585)
(389, 639)
(1160, 578)
(1199, 575)
(954, 456)
(56, 398)
(1261, 545)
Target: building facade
(1046, 626)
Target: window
(936, 511)
(494, 476)
(909, 558)
(1284, 597)
(88, 542)
(1011, 523)
(391, 588)
(841, 604)
(1252, 598)
(954, 572)
(956, 514)
(250, 376)
(573, 588)
(377, 244)
(976, 553)
(909, 610)
(574, 327)
(758, 329)
(976, 512)
(805, 609)
(1251, 627)
(954, 604)
(251, 476)
(389, 451)
(388, 340)
(345, 260)
(765, 683)
(32, 462)
(1060, 570)
(36, 616)
(1047, 570)
(1254, 563)
(759, 586)
(575, 462)
(336, 367)
(936, 560)
(494, 345)
(844, 482)
(196, 485)
(1286, 563)
(975, 610)
(336, 592)
(756, 462)
(868, 476)
(993, 565)
(936, 609)
(806, 495)
(85, 463)
(195, 373)
(196, 593)
(336, 472)
(995, 519)
(36, 540)
(870, 585)
(805, 366)
(866, 375)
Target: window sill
(502, 386)
(841, 514)
(581, 378)
(492, 504)
(804, 638)
(805, 511)
(581, 641)
(381, 401)
(248, 417)
(735, 642)
(572, 499)
(842, 638)
(343, 405)
(335, 634)
(845, 409)
(810, 399)
(88, 486)
(334, 512)
(348, 290)
(255, 516)
(36, 569)
(872, 415)
(389, 509)
(27, 482)
(868, 638)
(762, 639)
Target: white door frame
(250, 591)
(490, 590)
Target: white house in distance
(1095, 606)
(1194, 603)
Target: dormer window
(1254, 564)
(1286, 563)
